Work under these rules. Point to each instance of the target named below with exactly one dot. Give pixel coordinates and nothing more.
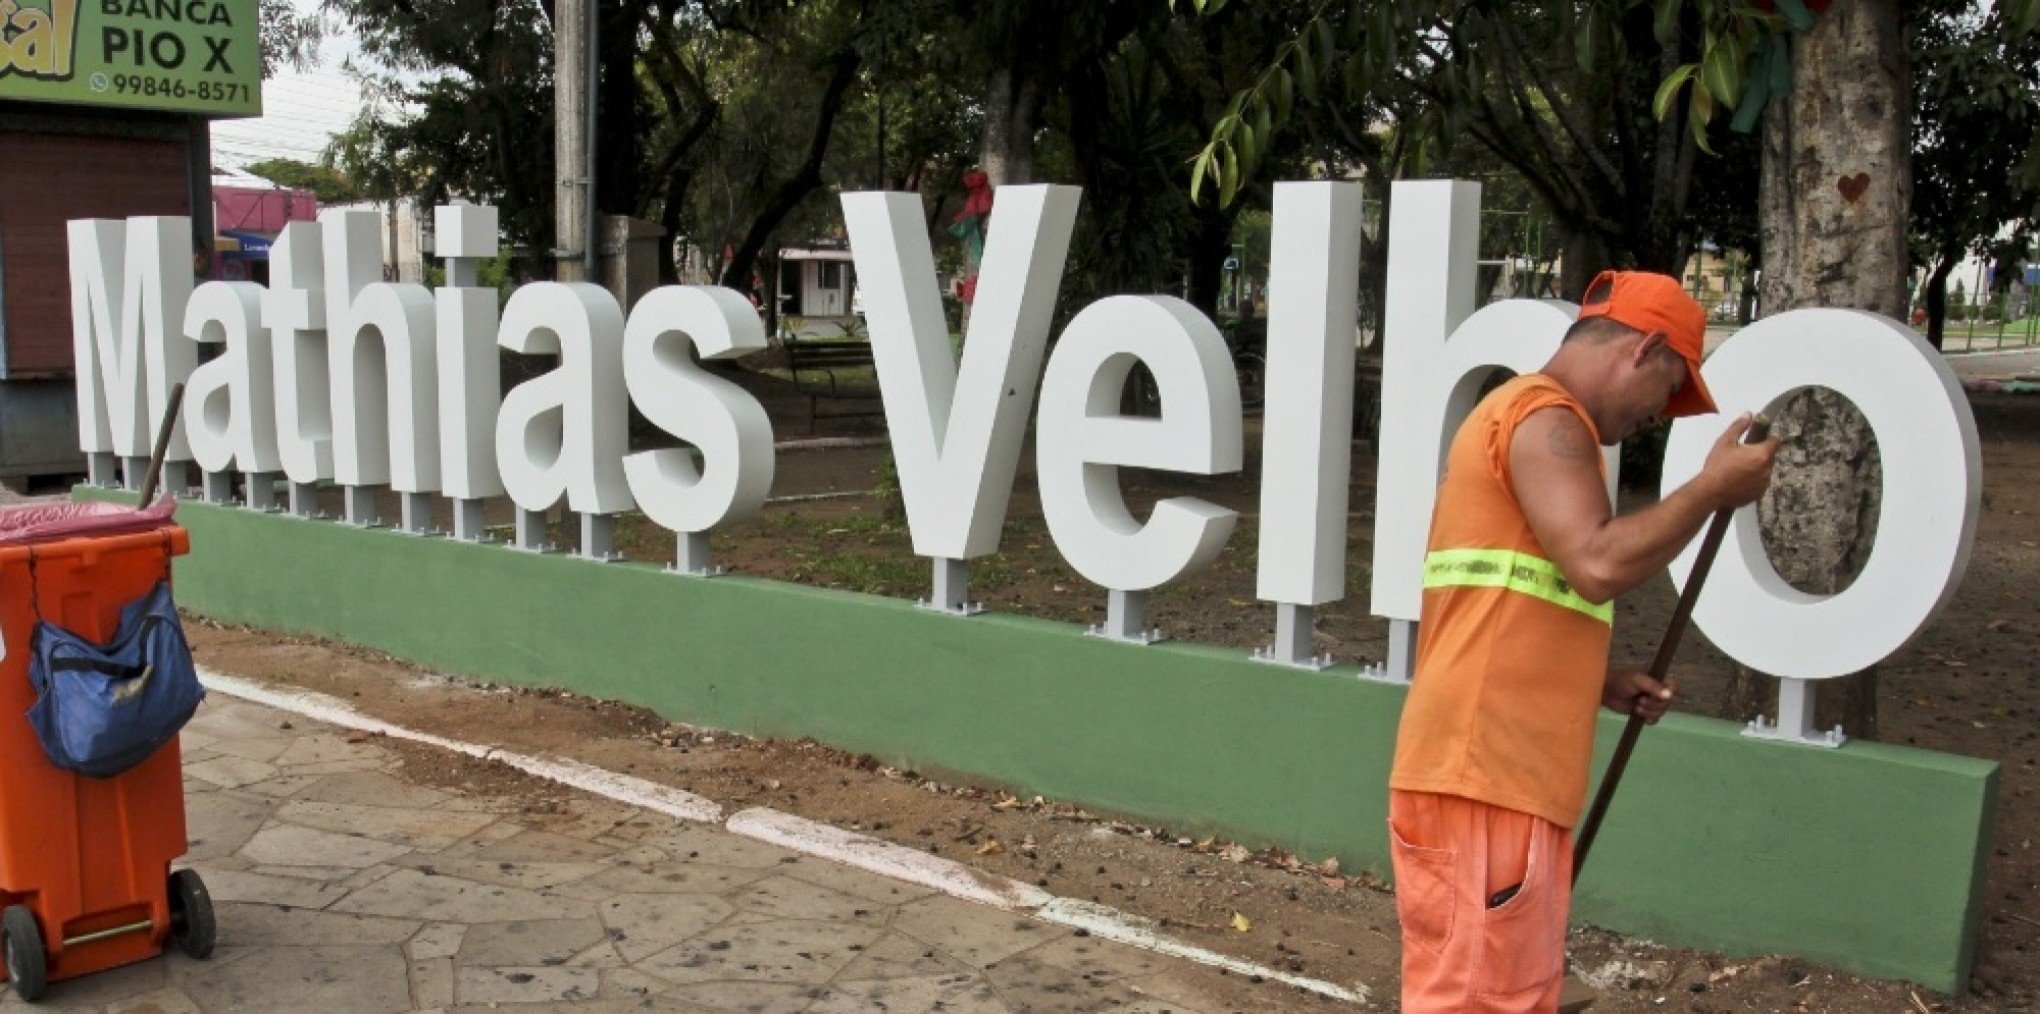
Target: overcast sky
(302, 110)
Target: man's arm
(1552, 461)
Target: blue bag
(102, 710)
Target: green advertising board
(189, 56)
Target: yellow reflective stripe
(1508, 569)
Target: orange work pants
(1470, 942)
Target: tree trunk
(1937, 300)
(1374, 286)
(619, 183)
(1209, 244)
(1746, 301)
(806, 180)
(1586, 255)
(1020, 133)
(1006, 150)
(1833, 203)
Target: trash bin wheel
(191, 914)
(27, 964)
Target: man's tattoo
(1568, 440)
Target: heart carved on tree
(1852, 187)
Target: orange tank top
(1510, 660)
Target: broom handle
(1682, 615)
(163, 431)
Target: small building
(248, 213)
(91, 131)
(816, 281)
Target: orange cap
(1654, 303)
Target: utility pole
(573, 139)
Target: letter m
(129, 284)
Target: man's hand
(1737, 473)
(1633, 691)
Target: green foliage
(1561, 95)
(2023, 14)
(465, 113)
(1976, 158)
(286, 37)
(329, 185)
(1744, 61)
(1245, 131)
(892, 504)
(1438, 46)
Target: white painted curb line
(1112, 924)
(651, 795)
(888, 859)
(798, 834)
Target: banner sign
(188, 56)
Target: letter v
(957, 429)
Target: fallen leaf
(1242, 603)
(1008, 803)
(991, 848)
(1335, 883)
(1235, 853)
(1328, 868)
(1027, 846)
(1242, 923)
(357, 736)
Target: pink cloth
(48, 522)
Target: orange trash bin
(85, 879)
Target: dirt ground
(1962, 688)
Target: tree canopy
(329, 185)
(1623, 123)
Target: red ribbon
(978, 201)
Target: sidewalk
(1995, 365)
(344, 884)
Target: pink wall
(261, 210)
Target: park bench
(836, 369)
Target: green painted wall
(1868, 858)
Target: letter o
(175, 46)
(1933, 480)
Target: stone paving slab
(343, 886)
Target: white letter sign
(229, 409)
(565, 433)
(1926, 440)
(1307, 426)
(723, 420)
(385, 397)
(129, 283)
(956, 432)
(1082, 440)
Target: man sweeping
(1491, 760)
